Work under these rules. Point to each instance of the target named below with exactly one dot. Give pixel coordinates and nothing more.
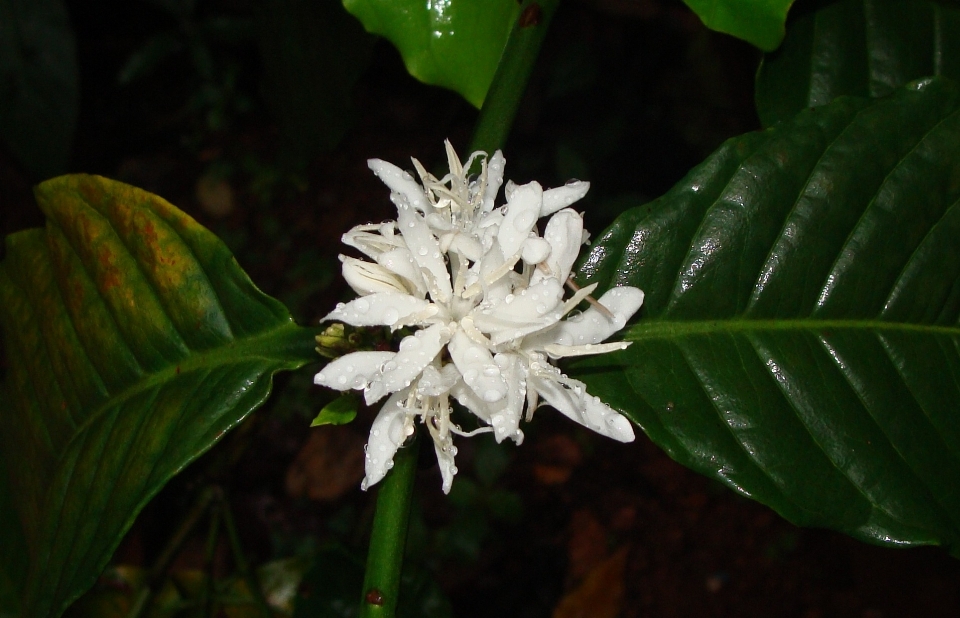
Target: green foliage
(139, 342)
(857, 47)
(340, 411)
(455, 44)
(757, 21)
(799, 340)
(39, 95)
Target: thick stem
(381, 584)
(510, 81)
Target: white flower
(485, 293)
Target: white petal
(535, 250)
(366, 278)
(416, 352)
(564, 232)
(445, 451)
(477, 367)
(495, 167)
(400, 182)
(575, 403)
(355, 370)
(504, 415)
(425, 250)
(562, 351)
(372, 239)
(518, 315)
(561, 197)
(522, 212)
(390, 429)
(592, 326)
(436, 382)
(381, 309)
(401, 262)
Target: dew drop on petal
(321, 378)
(492, 395)
(389, 366)
(342, 379)
(422, 251)
(491, 371)
(390, 316)
(470, 376)
(362, 305)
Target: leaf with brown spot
(135, 342)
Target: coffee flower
(485, 293)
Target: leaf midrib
(269, 346)
(670, 329)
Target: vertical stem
(381, 584)
(510, 81)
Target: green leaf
(455, 43)
(756, 21)
(340, 411)
(39, 84)
(799, 340)
(314, 38)
(135, 343)
(857, 47)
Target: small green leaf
(857, 47)
(135, 342)
(39, 84)
(756, 21)
(800, 337)
(340, 411)
(454, 43)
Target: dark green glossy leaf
(799, 341)
(756, 21)
(318, 39)
(340, 411)
(454, 43)
(135, 342)
(39, 96)
(857, 47)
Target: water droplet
(362, 305)
(376, 433)
(422, 251)
(410, 343)
(541, 308)
(389, 366)
(342, 379)
(575, 316)
(492, 395)
(491, 371)
(670, 406)
(509, 298)
(470, 376)
(390, 316)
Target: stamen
(590, 299)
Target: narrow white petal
(561, 197)
(400, 262)
(355, 370)
(575, 403)
(563, 232)
(416, 352)
(400, 182)
(366, 278)
(495, 167)
(381, 309)
(561, 351)
(425, 250)
(506, 420)
(437, 382)
(477, 367)
(592, 326)
(445, 451)
(389, 431)
(371, 240)
(522, 212)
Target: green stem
(510, 81)
(381, 584)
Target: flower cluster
(485, 293)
